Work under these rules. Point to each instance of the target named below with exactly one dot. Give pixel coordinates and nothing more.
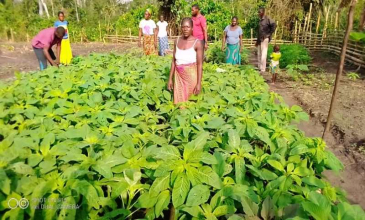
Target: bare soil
(19, 57)
(346, 140)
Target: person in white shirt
(162, 36)
(147, 27)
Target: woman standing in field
(186, 67)
(66, 52)
(147, 28)
(162, 36)
(232, 38)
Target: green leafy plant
(295, 71)
(353, 76)
(102, 139)
(292, 54)
(214, 54)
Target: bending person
(42, 46)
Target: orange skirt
(186, 79)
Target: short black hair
(235, 17)
(276, 48)
(262, 9)
(61, 31)
(196, 6)
(187, 19)
(61, 13)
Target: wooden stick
(130, 33)
(277, 25)
(99, 31)
(318, 22)
(325, 25)
(251, 36)
(295, 31)
(340, 66)
(336, 21)
(309, 16)
(11, 34)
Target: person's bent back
(42, 46)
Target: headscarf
(149, 11)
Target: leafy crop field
(101, 139)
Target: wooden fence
(329, 41)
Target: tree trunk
(77, 12)
(40, 6)
(362, 20)
(52, 8)
(340, 66)
(43, 6)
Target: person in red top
(42, 46)
(200, 30)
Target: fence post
(325, 25)
(99, 31)
(130, 34)
(251, 36)
(276, 30)
(295, 31)
(12, 34)
(309, 17)
(27, 37)
(215, 34)
(336, 20)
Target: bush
(215, 54)
(292, 54)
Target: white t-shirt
(147, 26)
(162, 28)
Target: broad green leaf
(199, 194)
(224, 210)
(103, 169)
(215, 123)
(240, 170)
(277, 165)
(180, 190)
(268, 209)
(207, 158)
(88, 191)
(313, 181)
(159, 185)
(233, 139)
(4, 182)
(220, 165)
(208, 176)
(163, 201)
(249, 207)
(68, 213)
(146, 200)
(300, 149)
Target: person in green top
(274, 64)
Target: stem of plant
(340, 67)
(172, 213)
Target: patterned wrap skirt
(233, 55)
(186, 78)
(163, 45)
(66, 52)
(149, 45)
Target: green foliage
(295, 70)
(358, 37)
(214, 54)
(292, 54)
(104, 137)
(353, 76)
(217, 14)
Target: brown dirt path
(352, 179)
(19, 57)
